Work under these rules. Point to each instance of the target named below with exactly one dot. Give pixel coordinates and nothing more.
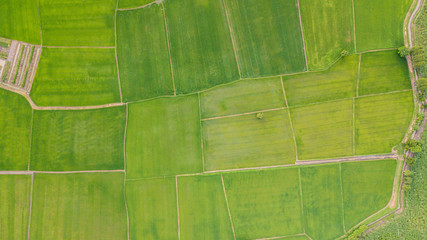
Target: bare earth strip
(303, 40)
(228, 207)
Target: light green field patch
(379, 24)
(328, 30)
(267, 35)
(76, 77)
(202, 208)
(322, 201)
(246, 141)
(15, 131)
(143, 54)
(324, 130)
(367, 188)
(14, 206)
(78, 140)
(152, 208)
(201, 47)
(337, 82)
(381, 121)
(134, 3)
(264, 203)
(163, 137)
(77, 23)
(19, 20)
(382, 72)
(242, 97)
(78, 206)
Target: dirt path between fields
(143, 6)
(57, 172)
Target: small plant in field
(260, 115)
(344, 53)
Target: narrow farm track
(143, 6)
(57, 172)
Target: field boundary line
(169, 48)
(177, 207)
(228, 207)
(124, 173)
(201, 134)
(31, 204)
(342, 198)
(377, 50)
(353, 158)
(244, 114)
(290, 119)
(303, 39)
(358, 75)
(115, 51)
(354, 127)
(271, 238)
(379, 94)
(40, 22)
(143, 6)
(106, 47)
(354, 26)
(308, 236)
(232, 37)
(31, 139)
(23, 172)
(301, 200)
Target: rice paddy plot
(76, 77)
(14, 206)
(324, 130)
(143, 55)
(379, 24)
(201, 47)
(328, 30)
(242, 97)
(76, 140)
(134, 3)
(367, 188)
(248, 141)
(163, 137)
(202, 208)
(264, 204)
(382, 121)
(78, 206)
(382, 72)
(77, 23)
(322, 201)
(267, 35)
(337, 82)
(15, 131)
(152, 208)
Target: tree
(411, 161)
(408, 173)
(422, 87)
(260, 115)
(403, 51)
(406, 187)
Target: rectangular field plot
(246, 141)
(76, 77)
(328, 30)
(367, 188)
(201, 46)
(78, 206)
(14, 206)
(264, 203)
(152, 208)
(143, 54)
(163, 137)
(242, 97)
(381, 121)
(378, 24)
(267, 36)
(202, 208)
(20, 21)
(322, 201)
(78, 140)
(382, 72)
(15, 131)
(337, 82)
(77, 23)
(324, 130)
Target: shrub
(260, 115)
(403, 51)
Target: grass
(15, 131)
(76, 77)
(163, 137)
(201, 47)
(267, 36)
(367, 188)
(264, 203)
(143, 54)
(20, 21)
(77, 23)
(78, 140)
(324, 130)
(152, 209)
(242, 97)
(246, 141)
(322, 201)
(380, 25)
(203, 209)
(382, 72)
(321, 17)
(78, 206)
(421, 36)
(337, 82)
(381, 121)
(134, 3)
(14, 206)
